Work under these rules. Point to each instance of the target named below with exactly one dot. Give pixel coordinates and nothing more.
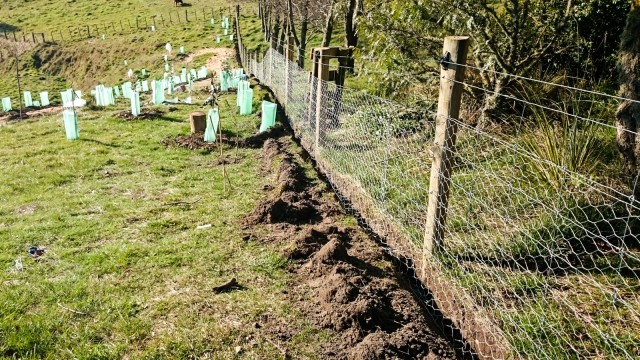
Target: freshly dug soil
(365, 303)
(145, 114)
(193, 141)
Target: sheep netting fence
(544, 253)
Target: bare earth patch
(344, 282)
(215, 64)
(28, 113)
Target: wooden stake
(451, 78)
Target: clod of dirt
(229, 285)
(330, 253)
(311, 239)
(145, 114)
(287, 208)
(193, 141)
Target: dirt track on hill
(216, 61)
(340, 282)
(28, 113)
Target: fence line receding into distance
(535, 258)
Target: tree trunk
(302, 49)
(283, 35)
(267, 24)
(490, 103)
(628, 114)
(350, 27)
(328, 28)
(276, 29)
(261, 13)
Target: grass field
(126, 273)
(83, 63)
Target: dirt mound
(145, 114)
(368, 306)
(313, 238)
(256, 141)
(193, 141)
(295, 201)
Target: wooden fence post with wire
(451, 78)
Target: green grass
(126, 272)
(83, 63)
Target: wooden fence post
(322, 63)
(451, 78)
(186, 15)
(287, 68)
(88, 32)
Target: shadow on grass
(8, 27)
(99, 142)
(589, 239)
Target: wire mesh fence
(541, 252)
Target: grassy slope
(128, 261)
(85, 63)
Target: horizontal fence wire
(545, 252)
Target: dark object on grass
(36, 252)
(229, 285)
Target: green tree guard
(135, 104)
(28, 102)
(213, 120)
(6, 104)
(70, 120)
(247, 103)
(44, 98)
(269, 110)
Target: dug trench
(344, 282)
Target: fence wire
(546, 254)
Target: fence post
(88, 32)
(322, 63)
(287, 68)
(186, 15)
(451, 78)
